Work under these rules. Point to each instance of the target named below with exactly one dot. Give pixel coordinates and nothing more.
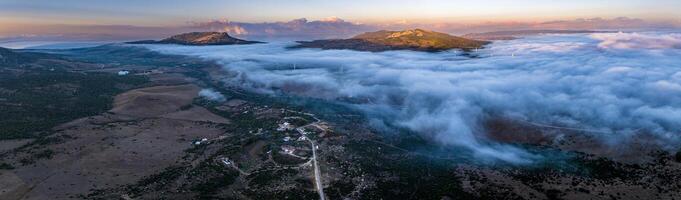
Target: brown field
(154, 101)
(146, 131)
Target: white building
(288, 149)
(284, 126)
(226, 161)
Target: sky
(21, 17)
(175, 12)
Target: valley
(155, 137)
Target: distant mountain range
(297, 29)
(414, 39)
(512, 35)
(199, 39)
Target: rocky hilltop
(199, 39)
(415, 39)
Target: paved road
(317, 172)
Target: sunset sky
(21, 17)
(173, 12)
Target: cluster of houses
(290, 148)
(146, 72)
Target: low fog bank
(212, 95)
(613, 85)
(49, 44)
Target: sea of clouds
(615, 85)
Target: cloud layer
(597, 82)
(639, 41)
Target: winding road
(317, 172)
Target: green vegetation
(117, 55)
(10, 58)
(294, 193)
(6, 166)
(267, 178)
(156, 181)
(44, 154)
(204, 180)
(287, 160)
(420, 177)
(213, 178)
(605, 169)
(36, 101)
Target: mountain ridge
(384, 40)
(199, 39)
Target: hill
(9, 57)
(416, 39)
(199, 39)
(14, 58)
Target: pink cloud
(638, 41)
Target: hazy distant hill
(199, 38)
(9, 57)
(512, 35)
(416, 39)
